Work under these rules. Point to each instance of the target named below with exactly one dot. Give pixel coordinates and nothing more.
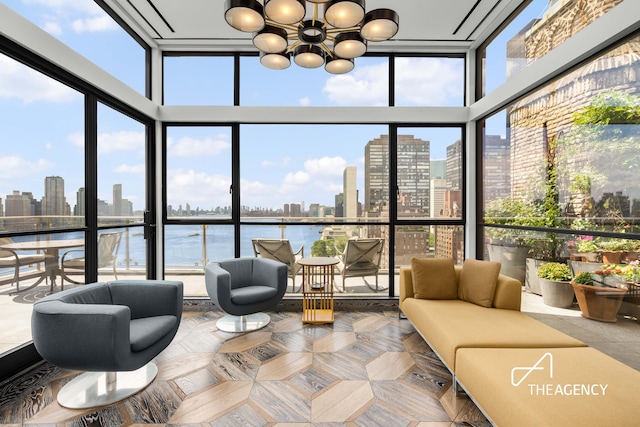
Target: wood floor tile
(334, 342)
(339, 402)
(390, 366)
(285, 366)
(212, 403)
(182, 365)
(245, 342)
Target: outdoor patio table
(51, 248)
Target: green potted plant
(555, 284)
(597, 300)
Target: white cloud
(23, 83)
(326, 166)
(52, 28)
(188, 147)
(109, 142)
(366, 85)
(12, 167)
(295, 179)
(429, 81)
(94, 24)
(138, 169)
(68, 5)
(197, 188)
(78, 15)
(305, 101)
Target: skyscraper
(350, 192)
(117, 199)
(413, 171)
(53, 202)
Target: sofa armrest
(508, 293)
(406, 284)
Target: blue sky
(285, 164)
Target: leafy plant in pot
(597, 300)
(555, 284)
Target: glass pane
(130, 255)
(121, 168)
(87, 28)
(293, 171)
(429, 173)
(427, 241)
(292, 242)
(572, 164)
(42, 128)
(198, 80)
(538, 29)
(39, 274)
(188, 249)
(366, 85)
(431, 82)
(198, 172)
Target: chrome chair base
(93, 389)
(246, 323)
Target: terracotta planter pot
(599, 303)
(611, 257)
(556, 294)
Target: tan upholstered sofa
(482, 337)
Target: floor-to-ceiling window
(560, 169)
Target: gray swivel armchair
(243, 288)
(112, 330)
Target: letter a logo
(528, 369)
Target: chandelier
(333, 40)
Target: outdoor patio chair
(280, 250)
(360, 258)
(13, 259)
(108, 245)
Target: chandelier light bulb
(270, 39)
(380, 25)
(349, 45)
(275, 61)
(285, 11)
(344, 13)
(244, 15)
(308, 56)
(339, 65)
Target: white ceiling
(425, 25)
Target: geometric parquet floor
(366, 369)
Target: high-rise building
(497, 160)
(54, 202)
(19, 204)
(454, 166)
(350, 193)
(438, 187)
(413, 171)
(80, 202)
(117, 199)
(438, 169)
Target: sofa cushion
(478, 281)
(486, 374)
(448, 325)
(434, 278)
